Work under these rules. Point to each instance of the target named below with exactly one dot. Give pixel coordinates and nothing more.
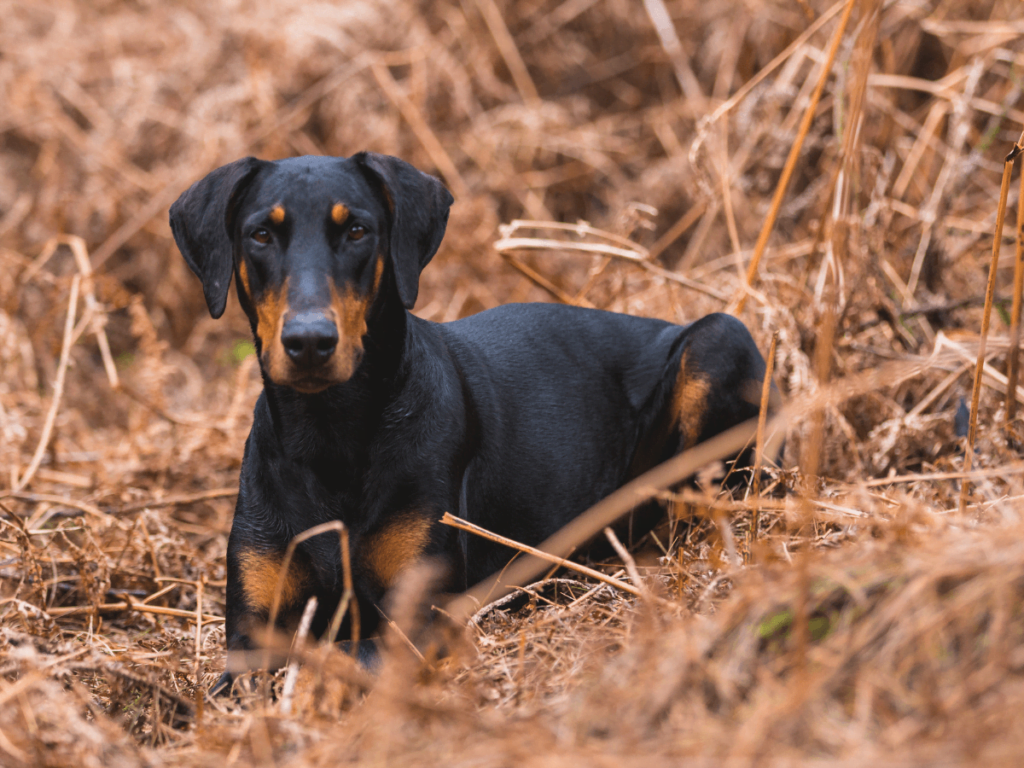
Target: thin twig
(51, 498)
(282, 574)
(199, 693)
(794, 154)
(409, 644)
(542, 244)
(677, 230)
(686, 282)
(762, 418)
(673, 46)
(347, 604)
(990, 289)
(775, 63)
(962, 125)
(581, 229)
(131, 606)
(607, 511)
(179, 500)
(438, 155)
(457, 522)
(299, 645)
(628, 561)
(99, 318)
(544, 283)
(185, 420)
(509, 52)
(58, 387)
(153, 207)
(632, 252)
(1013, 354)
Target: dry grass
(869, 619)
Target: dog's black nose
(309, 338)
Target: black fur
(201, 220)
(517, 419)
(419, 215)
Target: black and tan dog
(516, 419)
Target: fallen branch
(131, 605)
(581, 229)
(174, 501)
(542, 244)
(621, 248)
(458, 522)
(51, 498)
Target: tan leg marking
(689, 401)
(260, 572)
(392, 549)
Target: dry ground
(871, 619)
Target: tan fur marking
(339, 213)
(350, 314)
(378, 272)
(260, 572)
(243, 273)
(277, 214)
(689, 400)
(270, 310)
(395, 547)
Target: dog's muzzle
(309, 338)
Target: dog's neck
(339, 423)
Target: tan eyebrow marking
(277, 214)
(339, 213)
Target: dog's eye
(356, 232)
(261, 236)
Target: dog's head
(312, 242)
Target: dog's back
(571, 403)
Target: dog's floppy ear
(419, 214)
(202, 219)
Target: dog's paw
(223, 685)
(367, 654)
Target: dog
(517, 418)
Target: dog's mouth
(313, 349)
(313, 379)
(310, 383)
(309, 386)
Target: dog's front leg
(256, 578)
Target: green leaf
(774, 624)
(241, 350)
